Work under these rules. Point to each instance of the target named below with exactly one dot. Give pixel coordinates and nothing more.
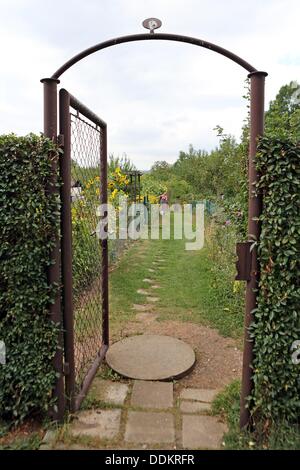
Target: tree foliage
(283, 116)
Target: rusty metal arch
(149, 37)
(257, 82)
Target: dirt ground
(218, 359)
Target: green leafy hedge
(29, 218)
(277, 317)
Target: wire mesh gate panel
(84, 254)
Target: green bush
(227, 403)
(228, 294)
(282, 435)
(29, 217)
(277, 317)
(86, 251)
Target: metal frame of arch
(257, 81)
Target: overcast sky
(157, 97)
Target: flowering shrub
(152, 188)
(152, 199)
(86, 245)
(117, 185)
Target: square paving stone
(147, 394)
(202, 432)
(104, 424)
(62, 446)
(150, 427)
(109, 391)
(194, 406)
(199, 394)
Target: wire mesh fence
(84, 256)
(86, 246)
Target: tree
(283, 117)
(161, 170)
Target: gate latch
(243, 264)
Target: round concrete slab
(151, 357)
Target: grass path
(188, 291)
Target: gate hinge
(66, 368)
(61, 140)
(243, 264)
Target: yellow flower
(113, 194)
(152, 199)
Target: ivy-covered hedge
(29, 218)
(277, 317)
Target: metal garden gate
(79, 373)
(84, 257)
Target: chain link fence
(84, 255)
(86, 247)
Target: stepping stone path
(146, 317)
(142, 308)
(109, 392)
(104, 424)
(194, 407)
(143, 291)
(151, 357)
(152, 299)
(202, 395)
(202, 432)
(148, 414)
(148, 394)
(150, 428)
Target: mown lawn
(190, 288)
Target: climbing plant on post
(29, 219)
(276, 324)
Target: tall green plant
(277, 317)
(29, 220)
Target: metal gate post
(255, 208)
(50, 130)
(66, 246)
(104, 241)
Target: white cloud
(157, 97)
